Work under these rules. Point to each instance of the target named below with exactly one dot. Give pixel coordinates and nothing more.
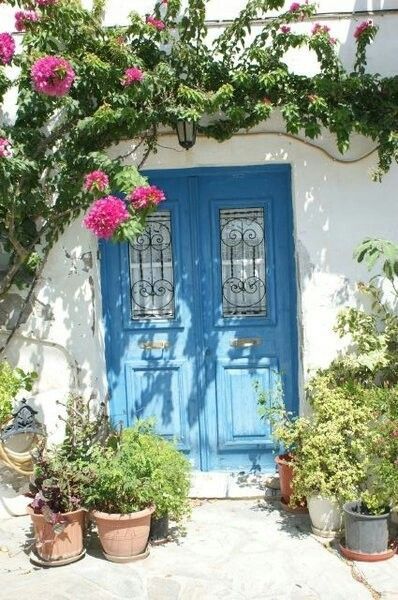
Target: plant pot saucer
(364, 556)
(40, 562)
(325, 533)
(127, 559)
(295, 510)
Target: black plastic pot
(365, 533)
(159, 529)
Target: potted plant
(61, 475)
(367, 518)
(56, 508)
(288, 430)
(169, 477)
(329, 468)
(120, 500)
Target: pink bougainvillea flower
(46, 2)
(24, 17)
(52, 76)
(7, 48)
(296, 6)
(132, 75)
(285, 29)
(362, 27)
(157, 23)
(96, 181)
(146, 196)
(5, 148)
(105, 215)
(318, 28)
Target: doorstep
(222, 484)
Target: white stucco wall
(335, 206)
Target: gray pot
(365, 533)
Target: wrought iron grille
(243, 260)
(151, 270)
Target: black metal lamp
(24, 421)
(186, 131)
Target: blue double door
(201, 306)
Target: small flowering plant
(7, 48)
(132, 75)
(24, 18)
(116, 219)
(5, 148)
(364, 34)
(52, 76)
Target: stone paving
(228, 550)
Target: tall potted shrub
(329, 468)
(367, 518)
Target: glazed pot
(368, 534)
(159, 529)
(326, 516)
(285, 469)
(123, 536)
(63, 543)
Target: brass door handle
(245, 342)
(155, 345)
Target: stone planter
(123, 537)
(326, 516)
(66, 545)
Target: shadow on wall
(60, 336)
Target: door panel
(247, 336)
(202, 306)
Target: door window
(243, 262)
(152, 271)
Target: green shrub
(12, 381)
(143, 469)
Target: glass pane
(151, 270)
(243, 262)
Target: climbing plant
(82, 87)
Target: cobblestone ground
(228, 550)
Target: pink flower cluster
(105, 215)
(132, 75)
(318, 28)
(362, 27)
(46, 2)
(5, 148)
(157, 23)
(146, 196)
(96, 181)
(295, 7)
(7, 48)
(285, 29)
(323, 29)
(24, 17)
(52, 76)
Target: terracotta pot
(124, 536)
(51, 546)
(285, 469)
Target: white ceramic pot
(326, 516)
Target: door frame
(105, 267)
